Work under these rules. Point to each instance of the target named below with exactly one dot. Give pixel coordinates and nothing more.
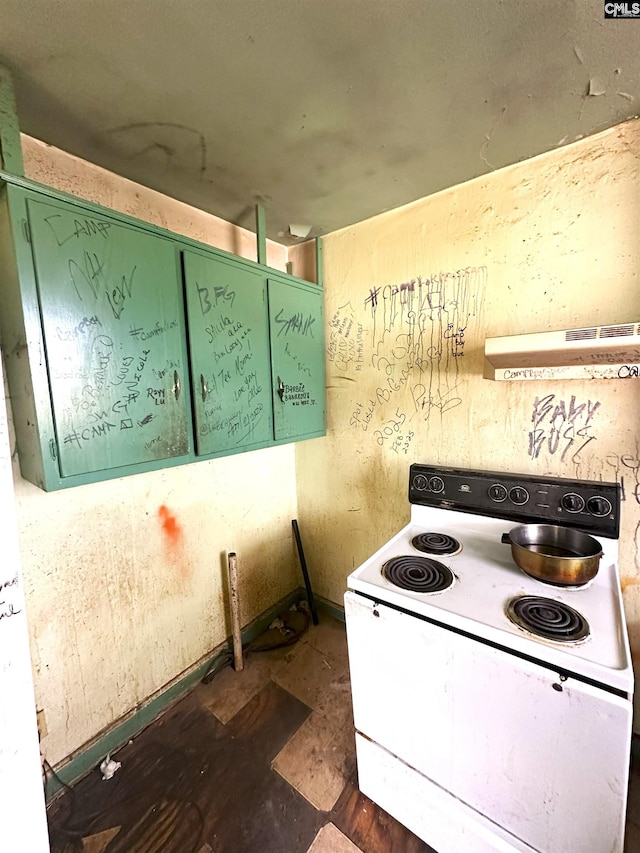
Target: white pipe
(235, 611)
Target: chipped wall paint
(122, 595)
(550, 243)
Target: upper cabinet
(114, 338)
(129, 348)
(229, 346)
(297, 359)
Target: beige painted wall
(550, 243)
(56, 168)
(117, 608)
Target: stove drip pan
(418, 574)
(436, 543)
(548, 618)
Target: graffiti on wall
(345, 347)
(627, 472)
(418, 335)
(8, 588)
(614, 467)
(419, 330)
(559, 426)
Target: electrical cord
(65, 828)
(73, 833)
(49, 771)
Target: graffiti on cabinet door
(298, 323)
(296, 360)
(560, 426)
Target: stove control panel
(591, 506)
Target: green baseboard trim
(329, 607)
(120, 732)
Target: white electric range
(493, 711)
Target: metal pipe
(305, 573)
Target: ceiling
(323, 111)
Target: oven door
(546, 759)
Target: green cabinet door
(112, 318)
(229, 347)
(297, 359)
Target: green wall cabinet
(129, 348)
(113, 334)
(297, 359)
(229, 346)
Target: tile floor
(320, 757)
(261, 761)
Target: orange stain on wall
(173, 536)
(170, 525)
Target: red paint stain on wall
(170, 525)
(173, 537)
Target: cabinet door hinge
(52, 448)
(26, 230)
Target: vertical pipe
(261, 234)
(319, 262)
(235, 611)
(10, 145)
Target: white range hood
(596, 352)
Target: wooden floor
(256, 762)
(632, 836)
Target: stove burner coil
(548, 618)
(436, 543)
(418, 574)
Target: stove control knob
(420, 482)
(519, 495)
(436, 484)
(572, 502)
(599, 506)
(498, 493)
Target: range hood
(597, 352)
